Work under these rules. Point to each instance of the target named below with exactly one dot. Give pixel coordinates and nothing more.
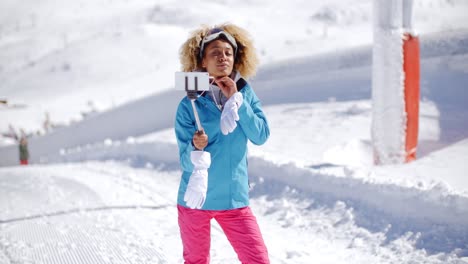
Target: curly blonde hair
(246, 60)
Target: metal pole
(192, 95)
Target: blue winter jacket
(228, 183)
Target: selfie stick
(192, 95)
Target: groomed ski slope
(123, 211)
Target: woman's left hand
(227, 86)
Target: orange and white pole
(395, 83)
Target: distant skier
(214, 181)
(23, 150)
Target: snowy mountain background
(103, 185)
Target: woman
(214, 181)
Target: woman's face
(218, 59)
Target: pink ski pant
(239, 225)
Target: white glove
(229, 115)
(198, 183)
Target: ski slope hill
(69, 59)
(341, 76)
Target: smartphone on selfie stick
(192, 82)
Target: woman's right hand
(200, 140)
(227, 85)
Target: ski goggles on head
(214, 34)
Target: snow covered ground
(103, 187)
